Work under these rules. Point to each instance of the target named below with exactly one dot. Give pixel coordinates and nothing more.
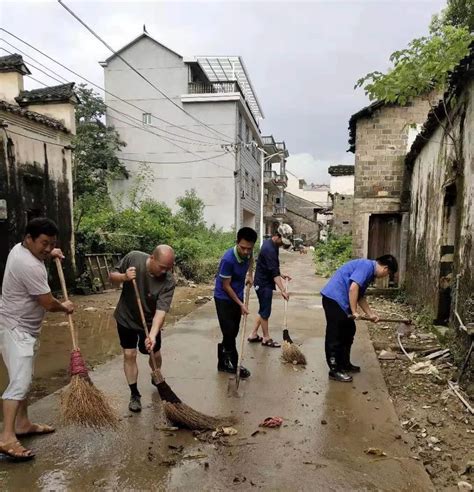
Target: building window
(239, 126)
(246, 186)
(253, 189)
(146, 118)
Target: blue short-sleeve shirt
(362, 272)
(234, 267)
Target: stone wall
(302, 218)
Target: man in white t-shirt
(26, 297)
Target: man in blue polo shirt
(229, 298)
(267, 277)
(341, 296)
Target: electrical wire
(102, 88)
(136, 71)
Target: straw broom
(175, 410)
(81, 402)
(289, 351)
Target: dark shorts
(131, 339)
(265, 296)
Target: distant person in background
(231, 278)
(26, 296)
(342, 294)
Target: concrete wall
(63, 112)
(432, 266)
(210, 169)
(343, 185)
(35, 180)
(381, 147)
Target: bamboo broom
(175, 410)
(81, 402)
(290, 352)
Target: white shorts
(18, 350)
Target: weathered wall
(35, 180)
(380, 150)
(343, 214)
(429, 230)
(343, 185)
(301, 217)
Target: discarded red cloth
(271, 422)
(77, 366)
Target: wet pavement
(327, 425)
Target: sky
(303, 58)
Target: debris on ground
(423, 368)
(387, 355)
(435, 424)
(375, 452)
(202, 299)
(271, 422)
(224, 431)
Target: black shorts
(265, 297)
(131, 339)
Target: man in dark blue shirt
(267, 276)
(341, 295)
(229, 298)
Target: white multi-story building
(192, 123)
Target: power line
(37, 139)
(171, 162)
(105, 90)
(136, 71)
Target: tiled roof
(56, 93)
(363, 113)
(32, 115)
(13, 63)
(341, 170)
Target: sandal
(16, 452)
(271, 343)
(257, 339)
(37, 430)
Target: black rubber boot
(225, 363)
(346, 364)
(244, 373)
(336, 373)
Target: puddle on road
(97, 337)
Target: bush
(198, 248)
(330, 255)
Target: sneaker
(135, 404)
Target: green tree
(96, 146)
(460, 13)
(423, 68)
(191, 209)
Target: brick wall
(343, 214)
(380, 149)
(301, 217)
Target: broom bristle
(291, 353)
(83, 404)
(183, 415)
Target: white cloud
(314, 170)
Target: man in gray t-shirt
(156, 285)
(26, 297)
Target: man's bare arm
(51, 304)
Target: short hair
(248, 234)
(389, 261)
(41, 225)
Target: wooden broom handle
(62, 281)
(142, 316)
(244, 327)
(385, 320)
(285, 319)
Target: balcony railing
(281, 179)
(213, 87)
(279, 211)
(269, 176)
